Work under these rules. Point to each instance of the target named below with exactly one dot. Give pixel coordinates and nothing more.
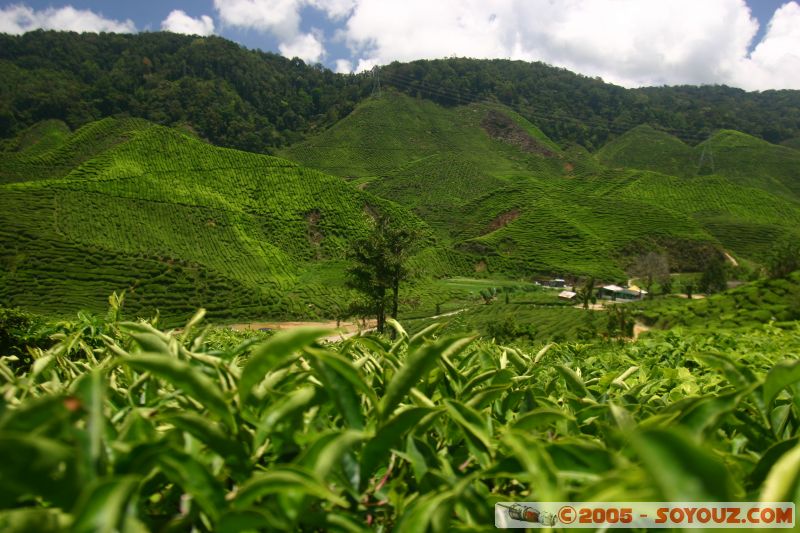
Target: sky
(751, 44)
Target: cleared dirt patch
(502, 128)
(344, 329)
(502, 220)
(314, 232)
(638, 329)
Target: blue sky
(752, 44)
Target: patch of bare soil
(502, 220)
(314, 232)
(731, 259)
(638, 329)
(344, 329)
(502, 128)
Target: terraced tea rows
(500, 191)
(162, 214)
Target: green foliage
(507, 329)
(759, 302)
(261, 100)
(380, 264)
(571, 108)
(715, 276)
(232, 96)
(784, 259)
(620, 322)
(585, 294)
(652, 268)
(152, 430)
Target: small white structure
(567, 295)
(615, 292)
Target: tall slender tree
(379, 266)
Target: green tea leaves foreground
(127, 428)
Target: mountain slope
(498, 188)
(178, 223)
(494, 186)
(743, 159)
(752, 162)
(394, 130)
(649, 149)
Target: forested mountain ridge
(231, 96)
(257, 101)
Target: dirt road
(345, 330)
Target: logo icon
(524, 513)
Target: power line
(467, 97)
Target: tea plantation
(122, 204)
(120, 426)
(491, 183)
(178, 224)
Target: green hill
(752, 162)
(649, 149)
(494, 186)
(178, 224)
(744, 159)
(745, 220)
(123, 204)
(387, 133)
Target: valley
(242, 293)
(176, 223)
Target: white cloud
(629, 42)
(17, 19)
(179, 22)
(335, 9)
(306, 46)
(279, 17)
(343, 66)
(775, 62)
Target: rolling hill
(743, 159)
(177, 223)
(494, 186)
(124, 204)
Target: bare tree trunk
(381, 312)
(395, 299)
